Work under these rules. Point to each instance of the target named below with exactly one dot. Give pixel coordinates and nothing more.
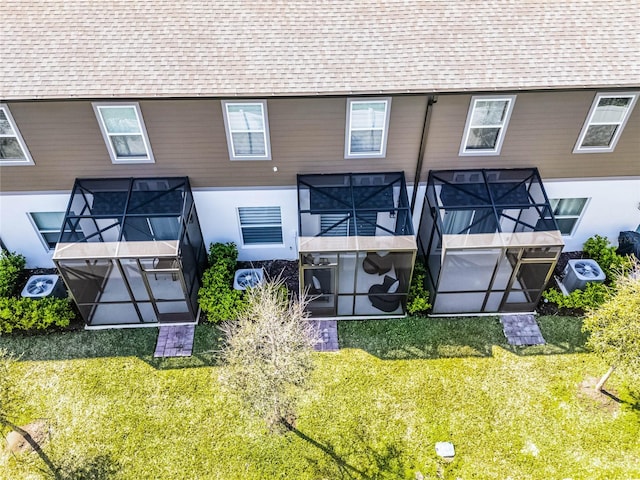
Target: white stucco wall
(218, 214)
(16, 230)
(217, 211)
(613, 206)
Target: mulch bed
(286, 269)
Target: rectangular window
(124, 132)
(48, 225)
(486, 125)
(247, 130)
(605, 122)
(567, 212)
(260, 225)
(13, 150)
(367, 128)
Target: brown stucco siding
(307, 136)
(542, 132)
(188, 138)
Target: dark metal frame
(531, 178)
(354, 208)
(168, 197)
(478, 190)
(70, 232)
(355, 197)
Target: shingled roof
(158, 48)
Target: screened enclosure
(131, 251)
(489, 240)
(356, 243)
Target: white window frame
(27, 160)
(42, 232)
(464, 151)
(382, 153)
(264, 131)
(98, 107)
(578, 217)
(259, 245)
(589, 122)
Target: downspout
(431, 99)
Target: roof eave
(319, 93)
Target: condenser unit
(580, 272)
(41, 286)
(248, 277)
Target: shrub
(599, 249)
(11, 264)
(217, 298)
(224, 253)
(594, 295)
(26, 314)
(418, 301)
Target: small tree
(268, 353)
(614, 327)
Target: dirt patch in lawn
(607, 399)
(39, 431)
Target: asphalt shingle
(119, 48)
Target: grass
(375, 411)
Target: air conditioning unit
(248, 277)
(578, 273)
(41, 286)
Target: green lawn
(376, 409)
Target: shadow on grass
(369, 463)
(408, 338)
(131, 342)
(100, 467)
(634, 402)
(71, 466)
(629, 396)
(432, 338)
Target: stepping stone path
(328, 333)
(521, 330)
(175, 341)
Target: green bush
(599, 249)
(594, 295)
(224, 253)
(217, 298)
(418, 301)
(26, 314)
(11, 264)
